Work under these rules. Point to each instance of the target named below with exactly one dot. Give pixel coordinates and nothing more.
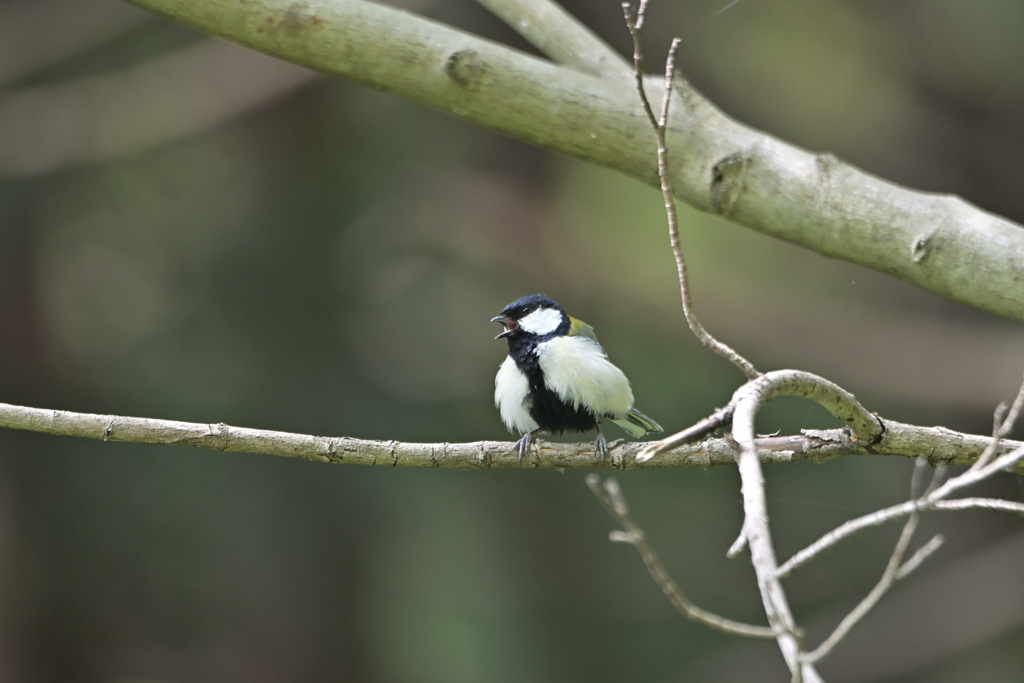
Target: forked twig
(895, 570)
(864, 429)
(1003, 423)
(935, 497)
(635, 23)
(614, 502)
(755, 526)
(880, 517)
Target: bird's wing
(577, 370)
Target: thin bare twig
(922, 554)
(635, 23)
(709, 424)
(931, 501)
(1003, 423)
(845, 530)
(1014, 414)
(973, 476)
(611, 497)
(894, 571)
(864, 427)
(973, 503)
(737, 547)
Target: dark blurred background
(189, 230)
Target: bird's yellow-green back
(578, 328)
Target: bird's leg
(600, 445)
(523, 445)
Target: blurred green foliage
(327, 262)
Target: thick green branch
(939, 243)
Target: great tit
(557, 377)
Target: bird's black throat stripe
(551, 413)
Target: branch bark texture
(560, 36)
(942, 446)
(940, 243)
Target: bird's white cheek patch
(511, 389)
(542, 321)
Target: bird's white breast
(579, 372)
(511, 394)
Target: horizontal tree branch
(473, 455)
(943, 445)
(939, 243)
(940, 445)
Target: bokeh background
(193, 231)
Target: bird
(557, 377)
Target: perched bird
(557, 377)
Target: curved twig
(747, 400)
(865, 427)
(614, 502)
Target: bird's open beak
(510, 325)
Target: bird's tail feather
(638, 424)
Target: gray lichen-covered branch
(942, 446)
(940, 243)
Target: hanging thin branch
(611, 497)
(635, 23)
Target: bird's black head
(532, 317)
